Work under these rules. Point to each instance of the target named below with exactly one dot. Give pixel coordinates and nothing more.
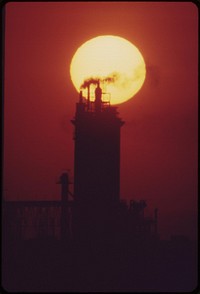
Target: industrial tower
(97, 150)
(96, 158)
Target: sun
(114, 61)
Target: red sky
(159, 138)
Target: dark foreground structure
(91, 240)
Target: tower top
(100, 100)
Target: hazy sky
(159, 138)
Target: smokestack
(64, 181)
(88, 100)
(98, 93)
(81, 97)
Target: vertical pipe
(88, 100)
(64, 181)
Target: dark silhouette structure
(97, 150)
(65, 213)
(96, 165)
(91, 240)
(95, 212)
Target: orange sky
(159, 138)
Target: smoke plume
(112, 78)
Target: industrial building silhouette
(94, 210)
(91, 240)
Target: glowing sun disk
(116, 62)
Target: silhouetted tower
(96, 167)
(97, 150)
